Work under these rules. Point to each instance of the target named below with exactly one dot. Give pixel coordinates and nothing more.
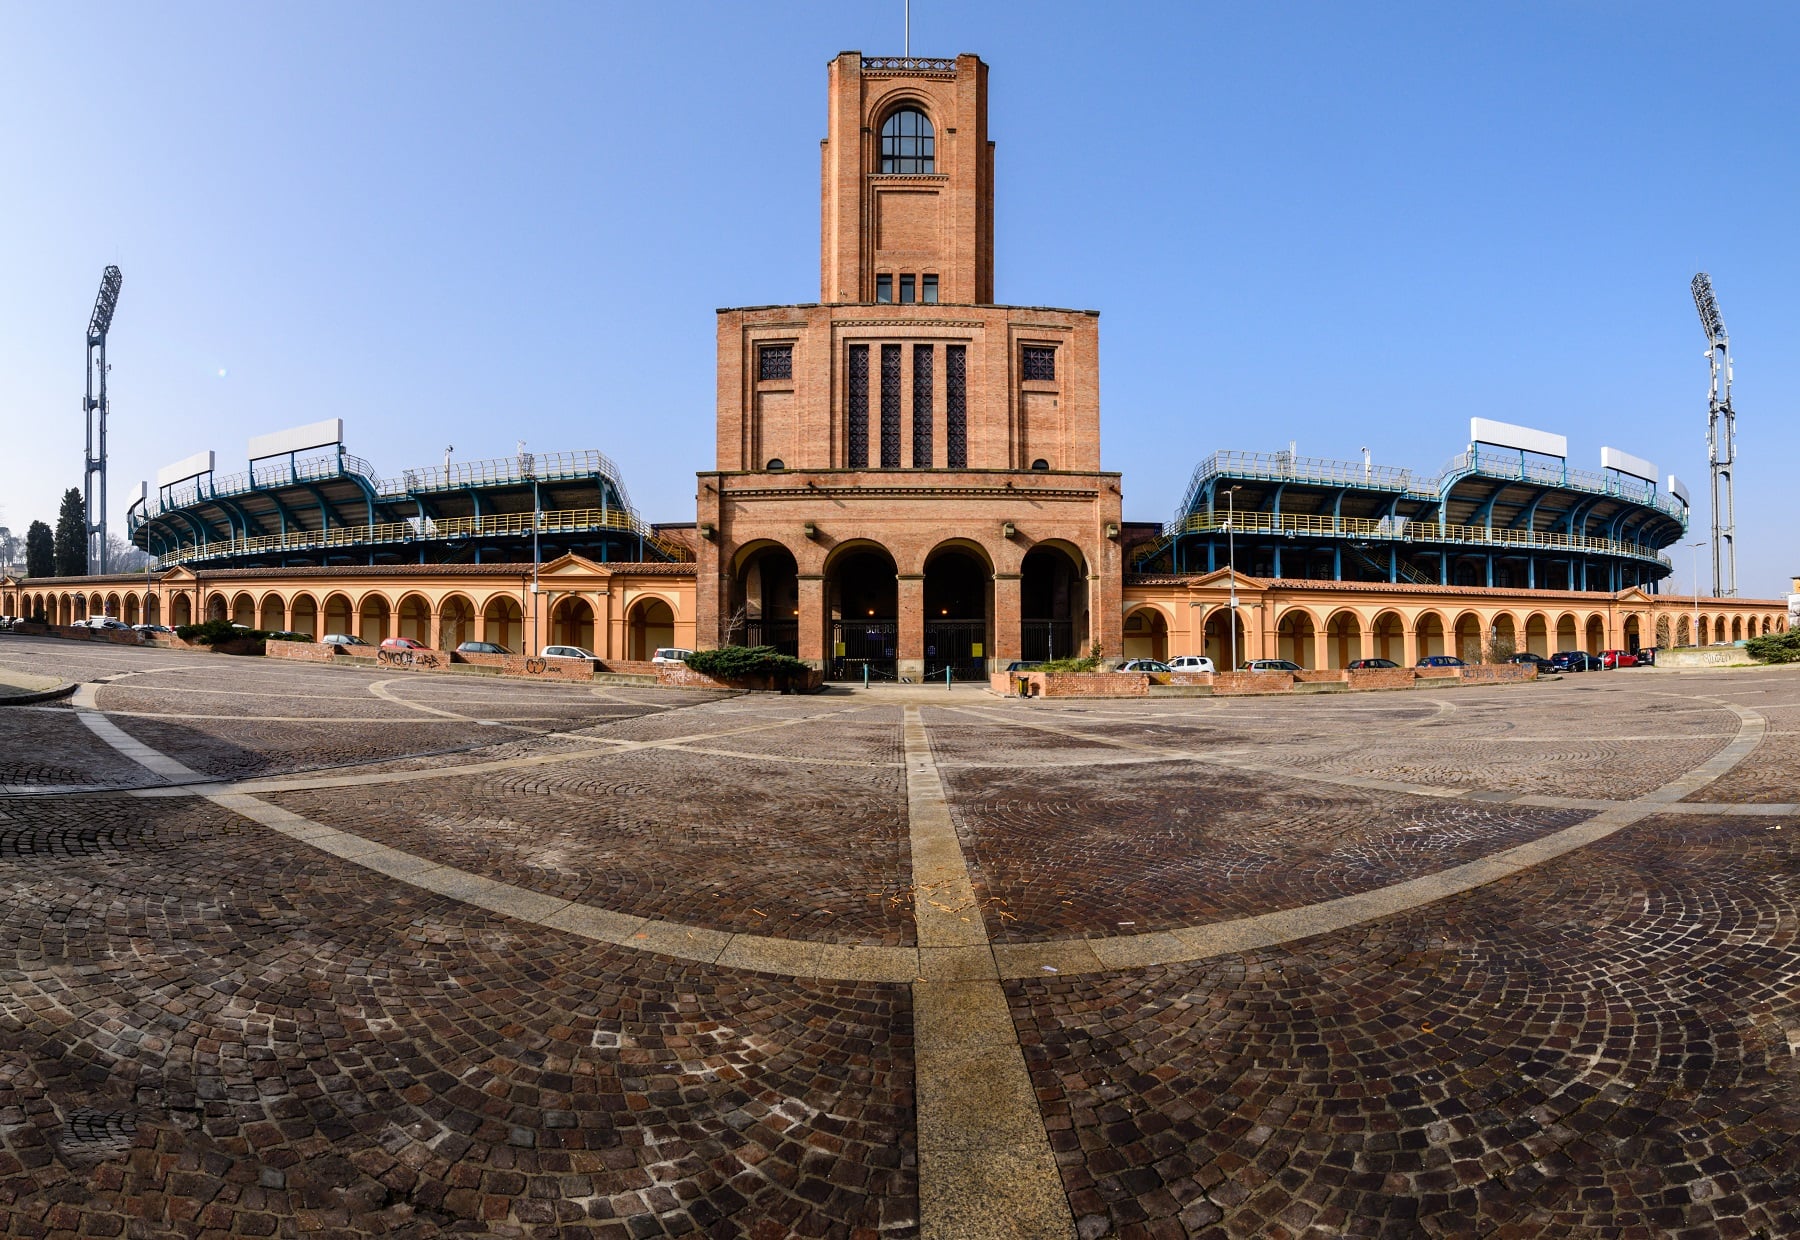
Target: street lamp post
(1231, 565)
(1694, 636)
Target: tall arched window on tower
(908, 147)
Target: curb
(40, 695)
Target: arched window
(907, 145)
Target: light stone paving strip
(985, 1163)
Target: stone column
(435, 638)
(911, 615)
(814, 632)
(1409, 642)
(1322, 647)
(1365, 641)
(1008, 608)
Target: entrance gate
(958, 645)
(1041, 640)
(784, 635)
(860, 644)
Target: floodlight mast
(98, 325)
(1721, 439)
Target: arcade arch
(338, 615)
(572, 623)
(958, 611)
(456, 621)
(862, 604)
(1146, 634)
(372, 619)
(1294, 636)
(1221, 625)
(305, 615)
(1390, 638)
(503, 622)
(274, 613)
(766, 606)
(1053, 602)
(1343, 640)
(649, 623)
(413, 619)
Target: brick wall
(681, 676)
(1253, 682)
(1078, 684)
(1381, 678)
(1498, 673)
(301, 652)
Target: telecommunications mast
(1721, 439)
(96, 376)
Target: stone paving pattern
(208, 1029)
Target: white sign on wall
(182, 470)
(1506, 435)
(298, 439)
(1625, 463)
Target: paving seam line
(986, 1168)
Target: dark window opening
(922, 367)
(884, 288)
(908, 147)
(928, 287)
(856, 412)
(1040, 463)
(1037, 363)
(956, 421)
(890, 406)
(775, 361)
(906, 290)
(776, 463)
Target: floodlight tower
(1721, 439)
(98, 325)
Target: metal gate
(859, 645)
(959, 645)
(1040, 640)
(784, 635)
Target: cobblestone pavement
(209, 1027)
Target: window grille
(890, 406)
(856, 412)
(775, 361)
(956, 431)
(907, 144)
(1037, 363)
(922, 366)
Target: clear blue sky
(1343, 225)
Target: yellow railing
(1414, 531)
(557, 521)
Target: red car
(1611, 659)
(402, 643)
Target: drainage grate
(91, 1127)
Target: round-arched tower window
(908, 147)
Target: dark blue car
(1574, 661)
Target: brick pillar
(1322, 648)
(1409, 642)
(815, 633)
(1365, 643)
(1008, 608)
(435, 638)
(911, 653)
(606, 642)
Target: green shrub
(210, 632)
(1089, 664)
(737, 662)
(1775, 648)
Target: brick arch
(412, 617)
(272, 612)
(969, 546)
(337, 614)
(1296, 640)
(303, 614)
(1468, 642)
(456, 620)
(1150, 640)
(1343, 637)
(1538, 633)
(1593, 633)
(645, 625)
(502, 620)
(374, 617)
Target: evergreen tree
(40, 551)
(71, 535)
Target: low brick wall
(681, 676)
(1187, 678)
(1327, 676)
(1498, 673)
(1380, 678)
(1077, 684)
(1437, 673)
(301, 652)
(81, 633)
(1705, 656)
(627, 667)
(1253, 682)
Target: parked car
(1440, 660)
(153, 628)
(1024, 665)
(670, 654)
(1574, 661)
(1647, 657)
(402, 643)
(101, 622)
(1365, 665)
(1142, 665)
(566, 652)
(1611, 660)
(482, 648)
(342, 639)
(1543, 665)
(1191, 663)
(1273, 665)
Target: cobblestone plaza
(309, 951)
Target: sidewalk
(23, 688)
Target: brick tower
(908, 476)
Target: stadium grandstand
(303, 501)
(1509, 513)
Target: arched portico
(303, 615)
(1390, 639)
(1294, 636)
(1146, 634)
(1470, 639)
(339, 616)
(1428, 634)
(765, 608)
(456, 622)
(649, 623)
(572, 623)
(1633, 638)
(274, 613)
(1343, 639)
(181, 611)
(956, 609)
(1223, 626)
(1567, 635)
(503, 623)
(243, 610)
(1596, 634)
(412, 618)
(862, 602)
(1053, 603)
(372, 618)
(1537, 634)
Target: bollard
(865, 675)
(946, 679)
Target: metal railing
(1399, 530)
(908, 64)
(569, 520)
(1287, 467)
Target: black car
(1574, 661)
(1647, 656)
(1543, 665)
(1360, 665)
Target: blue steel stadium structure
(1492, 517)
(330, 508)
